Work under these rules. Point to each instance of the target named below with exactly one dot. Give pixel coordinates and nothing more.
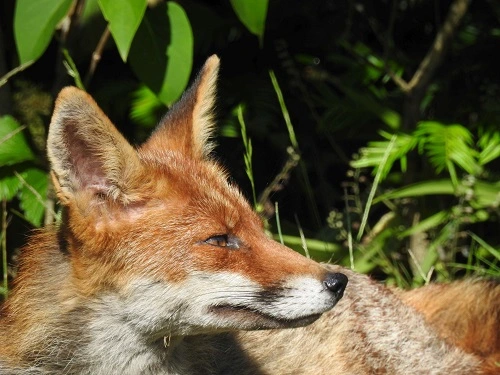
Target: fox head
(160, 237)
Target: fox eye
(222, 240)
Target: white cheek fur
(159, 308)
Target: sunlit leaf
(490, 147)
(124, 18)
(145, 107)
(162, 51)
(33, 194)
(252, 14)
(13, 146)
(34, 24)
(9, 184)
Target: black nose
(336, 283)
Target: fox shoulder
(465, 314)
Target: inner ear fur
(189, 124)
(87, 152)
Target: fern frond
(446, 146)
(378, 156)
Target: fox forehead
(198, 186)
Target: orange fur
(160, 267)
(154, 242)
(465, 314)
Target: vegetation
(372, 130)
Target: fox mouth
(263, 320)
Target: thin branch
(13, 72)
(5, 273)
(12, 134)
(72, 70)
(69, 27)
(438, 49)
(96, 55)
(281, 178)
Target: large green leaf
(124, 18)
(34, 24)
(484, 194)
(162, 51)
(9, 184)
(252, 14)
(13, 146)
(33, 194)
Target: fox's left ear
(189, 124)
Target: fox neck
(71, 334)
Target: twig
(436, 53)
(13, 72)
(71, 21)
(96, 55)
(72, 70)
(4, 249)
(281, 178)
(12, 133)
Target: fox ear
(87, 152)
(188, 125)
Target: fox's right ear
(87, 152)
(188, 125)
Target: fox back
(155, 248)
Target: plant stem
(4, 250)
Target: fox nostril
(336, 283)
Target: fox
(159, 266)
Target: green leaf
(484, 194)
(312, 244)
(33, 194)
(145, 107)
(9, 184)
(162, 52)
(124, 18)
(379, 156)
(448, 143)
(252, 14)
(428, 223)
(34, 24)
(486, 246)
(365, 101)
(490, 147)
(13, 146)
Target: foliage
(418, 201)
(474, 198)
(34, 24)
